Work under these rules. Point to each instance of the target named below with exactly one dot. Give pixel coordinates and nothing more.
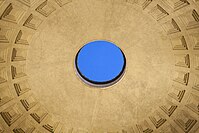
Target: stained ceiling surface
(40, 91)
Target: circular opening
(100, 63)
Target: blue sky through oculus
(100, 61)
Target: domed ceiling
(40, 91)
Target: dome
(41, 92)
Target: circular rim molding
(95, 83)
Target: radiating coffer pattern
(21, 111)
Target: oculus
(100, 63)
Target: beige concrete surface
(40, 91)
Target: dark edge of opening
(100, 83)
